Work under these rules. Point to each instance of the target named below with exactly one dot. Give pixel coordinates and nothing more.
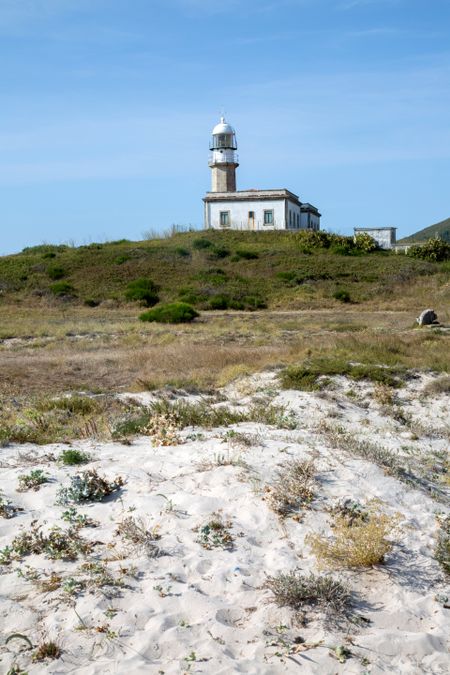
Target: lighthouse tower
(223, 159)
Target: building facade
(228, 208)
(386, 237)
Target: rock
(427, 317)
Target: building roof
(251, 195)
(373, 229)
(222, 128)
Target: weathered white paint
(246, 210)
(384, 236)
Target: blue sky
(106, 107)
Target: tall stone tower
(223, 159)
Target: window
(268, 217)
(224, 219)
(251, 215)
(298, 220)
(290, 218)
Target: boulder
(427, 317)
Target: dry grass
(292, 488)
(356, 543)
(82, 349)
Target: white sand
(212, 613)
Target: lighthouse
(223, 160)
(228, 208)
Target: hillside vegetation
(217, 270)
(441, 229)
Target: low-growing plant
(215, 533)
(306, 377)
(7, 508)
(442, 549)
(56, 272)
(163, 429)
(74, 457)
(144, 291)
(55, 544)
(342, 295)
(350, 511)
(88, 487)
(46, 650)
(75, 404)
(356, 542)
(292, 488)
(297, 590)
(79, 520)
(62, 288)
(175, 312)
(32, 480)
(136, 532)
(201, 243)
(434, 250)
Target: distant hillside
(211, 270)
(441, 230)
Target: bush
(341, 295)
(243, 254)
(56, 272)
(202, 243)
(218, 252)
(57, 544)
(88, 487)
(72, 457)
(364, 242)
(358, 542)
(62, 288)
(296, 590)
(175, 312)
(434, 250)
(144, 291)
(182, 252)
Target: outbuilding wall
(239, 211)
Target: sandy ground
(208, 611)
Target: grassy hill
(212, 270)
(441, 230)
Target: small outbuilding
(385, 237)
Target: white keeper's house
(228, 208)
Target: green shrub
(191, 296)
(71, 457)
(218, 252)
(243, 254)
(218, 302)
(182, 252)
(121, 259)
(341, 295)
(434, 250)
(88, 487)
(202, 243)
(365, 242)
(143, 290)
(175, 312)
(56, 272)
(306, 377)
(62, 288)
